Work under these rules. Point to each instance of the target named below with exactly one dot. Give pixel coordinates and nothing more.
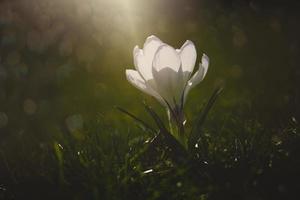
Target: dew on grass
(148, 171)
(270, 163)
(276, 140)
(179, 184)
(2, 188)
(60, 146)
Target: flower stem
(176, 126)
(170, 122)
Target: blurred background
(62, 63)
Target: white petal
(198, 76)
(137, 81)
(136, 52)
(205, 63)
(164, 81)
(143, 65)
(166, 57)
(151, 45)
(143, 58)
(168, 75)
(138, 58)
(188, 56)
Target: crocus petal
(205, 63)
(166, 57)
(137, 81)
(141, 64)
(143, 58)
(188, 56)
(198, 76)
(136, 53)
(167, 73)
(164, 81)
(151, 45)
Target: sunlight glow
(128, 8)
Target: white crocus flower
(166, 73)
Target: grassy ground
(239, 160)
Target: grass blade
(156, 118)
(141, 122)
(179, 151)
(195, 133)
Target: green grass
(240, 160)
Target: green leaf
(156, 118)
(179, 150)
(141, 122)
(196, 130)
(59, 155)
